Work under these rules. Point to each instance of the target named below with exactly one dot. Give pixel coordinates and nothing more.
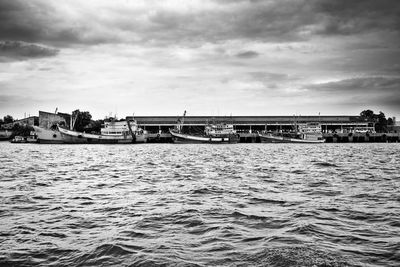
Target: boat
(213, 133)
(48, 136)
(304, 133)
(18, 139)
(5, 135)
(113, 132)
(32, 138)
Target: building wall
(250, 123)
(47, 119)
(245, 120)
(27, 121)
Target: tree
(95, 126)
(367, 115)
(8, 119)
(82, 119)
(22, 130)
(381, 122)
(390, 121)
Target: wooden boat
(213, 133)
(113, 132)
(307, 133)
(48, 136)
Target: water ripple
(200, 205)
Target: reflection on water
(200, 205)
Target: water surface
(200, 205)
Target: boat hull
(282, 139)
(5, 135)
(47, 136)
(72, 137)
(193, 139)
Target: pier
(336, 129)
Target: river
(200, 205)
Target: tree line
(380, 121)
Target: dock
(336, 129)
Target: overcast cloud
(209, 57)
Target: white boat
(5, 135)
(306, 133)
(32, 138)
(213, 133)
(48, 136)
(18, 139)
(113, 132)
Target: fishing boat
(303, 133)
(18, 139)
(113, 132)
(213, 133)
(5, 135)
(32, 138)
(48, 136)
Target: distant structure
(250, 124)
(48, 119)
(32, 120)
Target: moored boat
(5, 135)
(113, 132)
(32, 138)
(306, 133)
(48, 136)
(213, 133)
(18, 139)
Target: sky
(209, 57)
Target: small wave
(318, 184)
(42, 184)
(268, 201)
(220, 247)
(329, 193)
(394, 223)
(59, 235)
(251, 239)
(296, 256)
(87, 203)
(135, 234)
(84, 198)
(41, 198)
(307, 229)
(107, 254)
(202, 230)
(298, 172)
(325, 164)
(237, 214)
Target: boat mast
(181, 121)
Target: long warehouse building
(250, 124)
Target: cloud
(383, 91)
(258, 51)
(247, 54)
(16, 50)
(351, 17)
(277, 77)
(365, 84)
(190, 22)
